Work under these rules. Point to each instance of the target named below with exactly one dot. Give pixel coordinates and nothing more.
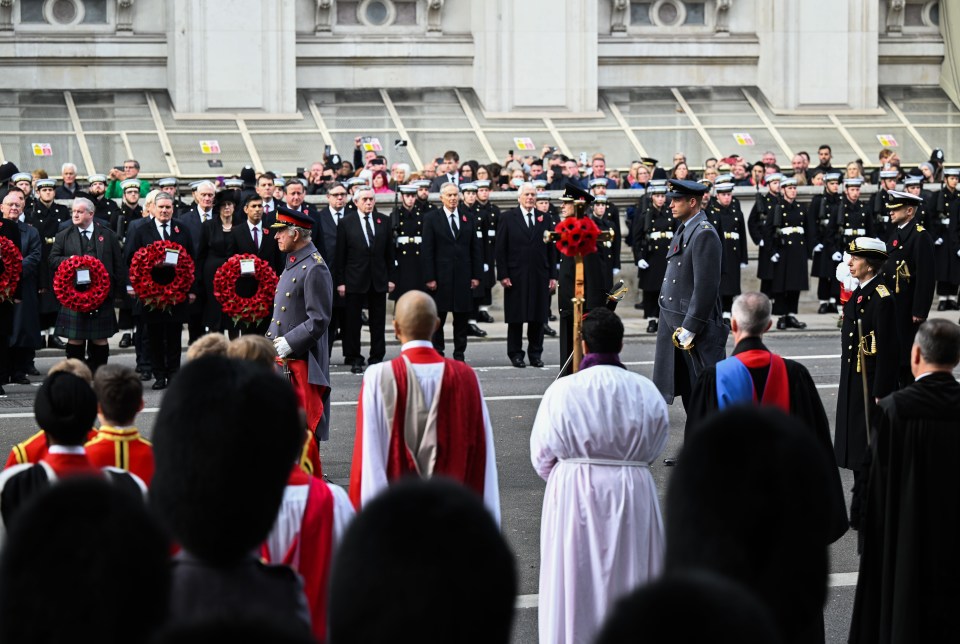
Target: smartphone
(300, 172)
(510, 152)
(583, 158)
(326, 151)
(118, 167)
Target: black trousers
(460, 323)
(828, 287)
(726, 303)
(20, 360)
(195, 325)
(766, 287)
(6, 368)
(336, 321)
(165, 345)
(946, 288)
(651, 304)
(141, 345)
(376, 305)
(534, 340)
(786, 303)
(125, 319)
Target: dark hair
(119, 392)
(84, 562)
(219, 481)
(250, 197)
(603, 331)
(825, 147)
(939, 342)
(875, 263)
(451, 154)
(436, 541)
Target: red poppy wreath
(12, 265)
(240, 309)
(158, 284)
(82, 299)
(578, 236)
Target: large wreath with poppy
(157, 284)
(11, 267)
(577, 236)
(237, 306)
(88, 297)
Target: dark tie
(366, 219)
(339, 216)
(256, 237)
(453, 225)
(85, 234)
(530, 220)
(165, 235)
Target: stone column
(243, 59)
(536, 55)
(819, 54)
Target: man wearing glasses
(326, 224)
(130, 170)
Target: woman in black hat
(215, 249)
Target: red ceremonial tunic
(34, 449)
(125, 449)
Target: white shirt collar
(87, 229)
(449, 213)
(416, 344)
(160, 226)
(66, 449)
(258, 225)
(862, 284)
(923, 375)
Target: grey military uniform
(690, 297)
(301, 314)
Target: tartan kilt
(98, 325)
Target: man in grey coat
(692, 335)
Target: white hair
(402, 166)
(524, 186)
(360, 191)
(86, 203)
(68, 166)
(205, 184)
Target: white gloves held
(744, 265)
(282, 347)
(837, 256)
(818, 248)
(775, 258)
(643, 265)
(939, 241)
(685, 337)
(616, 272)
(760, 244)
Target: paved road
(513, 396)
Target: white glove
(818, 248)
(282, 347)
(643, 265)
(843, 274)
(775, 258)
(837, 256)
(958, 253)
(939, 241)
(130, 291)
(760, 244)
(486, 267)
(744, 265)
(685, 338)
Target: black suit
(452, 262)
(164, 327)
(364, 271)
(192, 220)
(441, 179)
(325, 239)
(11, 231)
(241, 243)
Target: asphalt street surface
(513, 396)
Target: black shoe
(954, 305)
(794, 323)
(552, 318)
(727, 321)
(475, 331)
(832, 307)
(374, 361)
(484, 317)
(459, 357)
(782, 323)
(652, 326)
(549, 330)
(364, 320)
(638, 306)
(536, 363)
(19, 379)
(126, 341)
(824, 309)
(518, 363)
(357, 368)
(670, 462)
(32, 371)
(54, 342)
(942, 306)
(146, 376)
(161, 383)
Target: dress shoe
(670, 462)
(484, 317)
(126, 341)
(32, 371)
(638, 306)
(161, 383)
(19, 379)
(824, 309)
(954, 305)
(146, 376)
(552, 318)
(652, 326)
(459, 357)
(782, 323)
(942, 306)
(54, 342)
(549, 330)
(518, 363)
(364, 320)
(475, 331)
(536, 363)
(357, 368)
(794, 323)
(832, 307)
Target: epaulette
(882, 290)
(707, 225)
(317, 257)
(920, 228)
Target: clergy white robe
(601, 532)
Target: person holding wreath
(87, 333)
(216, 246)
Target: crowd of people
(276, 554)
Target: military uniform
(408, 270)
(491, 215)
(732, 228)
(850, 220)
(944, 232)
(788, 233)
(762, 211)
(105, 210)
(882, 227)
(690, 298)
(652, 236)
(823, 266)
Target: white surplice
(601, 532)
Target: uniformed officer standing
(492, 215)
(908, 273)
(24, 181)
(46, 218)
(598, 187)
(851, 219)
(945, 221)
(407, 223)
(468, 193)
(107, 210)
(762, 211)
(652, 235)
(788, 233)
(693, 334)
(551, 214)
(129, 212)
(878, 205)
(301, 317)
(872, 305)
(823, 266)
(733, 228)
(913, 185)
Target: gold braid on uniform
(902, 271)
(868, 347)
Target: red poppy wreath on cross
(578, 236)
(153, 294)
(248, 310)
(11, 263)
(93, 295)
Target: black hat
(575, 193)
(249, 176)
(681, 188)
(65, 408)
(224, 196)
(288, 217)
(7, 170)
(650, 162)
(936, 156)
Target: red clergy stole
(458, 432)
(776, 393)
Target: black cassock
(805, 405)
(907, 590)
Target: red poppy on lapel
(859, 299)
(266, 231)
(896, 242)
(540, 219)
(100, 238)
(292, 258)
(378, 222)
(464, 219)
(675, 248)
(176, 229)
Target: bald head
(415, 317)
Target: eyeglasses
(337, 194)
